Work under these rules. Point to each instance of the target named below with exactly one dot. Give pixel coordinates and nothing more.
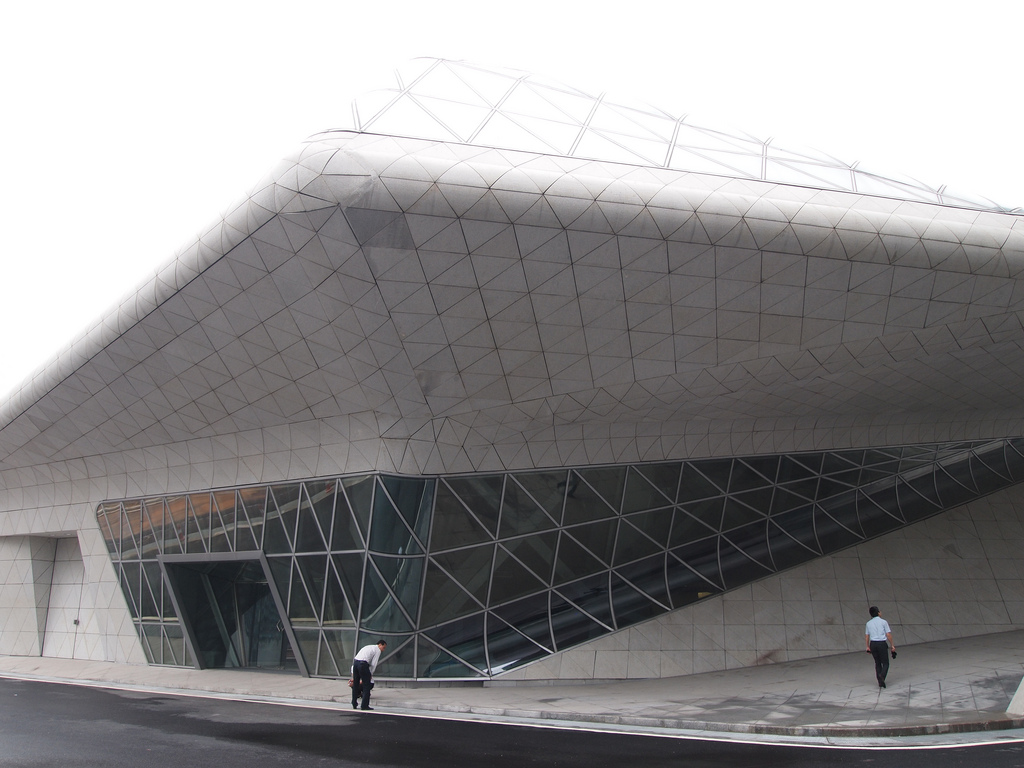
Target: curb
(994, 724)
(762, 729)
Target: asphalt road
(48, 724)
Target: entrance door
(230, 615)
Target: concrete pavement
(953, 691)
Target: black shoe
(355, 705)
(367, 709)
(881, 684)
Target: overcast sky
(129, 127)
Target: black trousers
(361, 683)
(880, 653)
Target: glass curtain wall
(469, 576)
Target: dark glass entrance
(231, 615)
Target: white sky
(128, 127)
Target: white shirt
(877, 629)
(370, 654)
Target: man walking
(362, 672)
(878, 639)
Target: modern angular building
(533, 384)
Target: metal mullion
(282, 611)
(520, 632)
(401, 517)
(208, 540)
(329, 535)
(767, 546)
(328, 572)
(1012, 444)
(147, 520)
(743, 552)
(952, 477)
(156, 596)
(565, 493)
(671, 508)
(625, 484)
(454, 655)
(497, 107)
(611, 605)
(584, 611)
(215, 510)
(305, 588)
(490, 575)
(390, 591)
(240, 505)
(110, 532)
(658, 602)
(824, 511)
(432, 562)
(366, 554)
(145, 640)
(326, 537)
(560, 530)
(321, 642)
(696, 573)
(530, 496)
(617, 512)
(551, 624)
(486, 644)
(901, 480)
(635, 468)
(524, 565)
(404, 90)
(191, 513)
(135, 590)
(208, 557)
(1010, 455)
(242, 634)
(471, 513)
(333, 571)
(351, 512)
(423, 582)
(248, 518)
(770, 552)
(501, 505)
(218, 617)
(131, 535)
(180, 540)
(289, 536)
(989, 450)
(718, 554)
(615, 544)
(330, 654)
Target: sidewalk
(953, 691)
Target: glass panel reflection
(471, 576)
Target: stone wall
(50, 578)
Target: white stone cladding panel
(26, 564)
(349, 445)
(63, 614)
(28, 544)
(595, 310)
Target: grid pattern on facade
(469, 104)
(420, 307)
(469, 576)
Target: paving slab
(959, 687)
